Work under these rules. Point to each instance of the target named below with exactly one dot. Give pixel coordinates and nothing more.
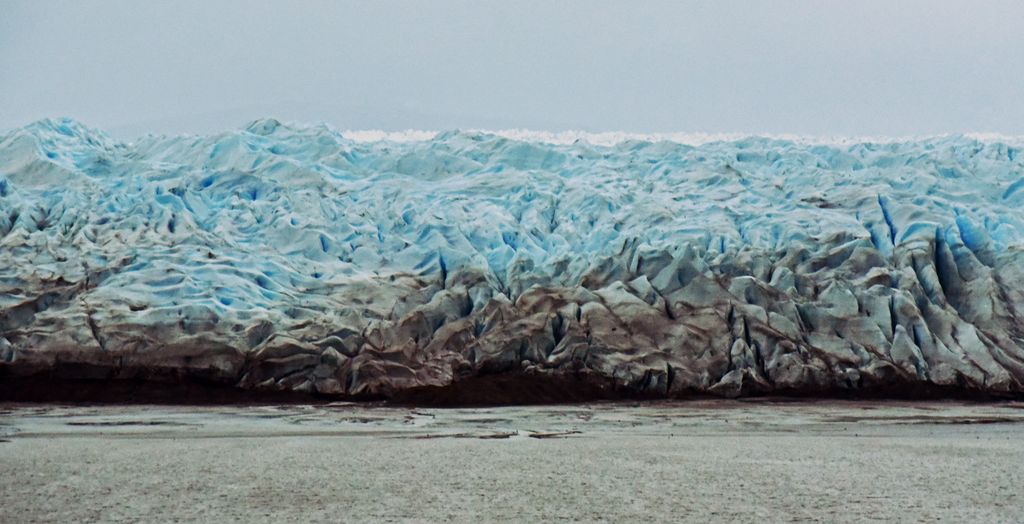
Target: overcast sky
(807, 67)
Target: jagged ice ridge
(290, 258)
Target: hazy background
(808, 67)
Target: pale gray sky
(807, 67)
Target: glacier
(469, 266)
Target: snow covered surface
(375, 264)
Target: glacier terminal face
(471, 267)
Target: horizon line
(565, 136)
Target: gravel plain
(763, 460)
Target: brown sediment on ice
(673, 328)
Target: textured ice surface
(293, 258)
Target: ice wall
(292, 258)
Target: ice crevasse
(291, 258)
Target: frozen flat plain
(682, 461)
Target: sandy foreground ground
(689, 461)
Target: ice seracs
(292, 258)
